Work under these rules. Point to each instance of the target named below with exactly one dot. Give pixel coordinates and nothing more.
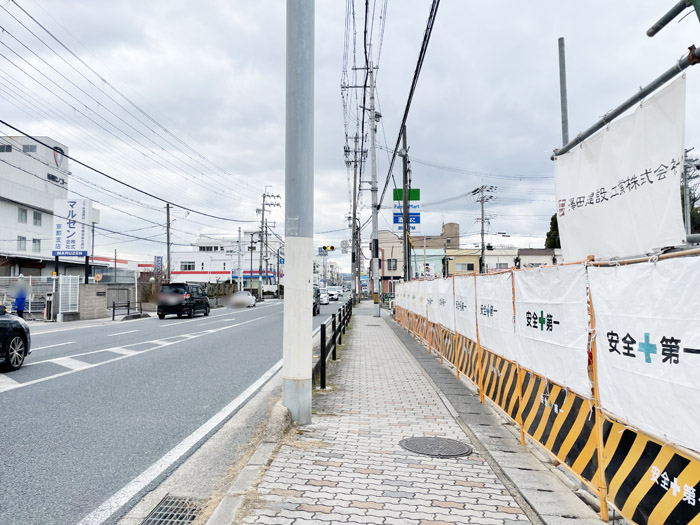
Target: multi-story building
(215, 259)
(32, 176)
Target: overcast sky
(212, 73)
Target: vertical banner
(551, 324)
(465, 314)
(446, 304)
(72, 227)
(494, 313)
(648, 345)
(618, 192)
(432, 300)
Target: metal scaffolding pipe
(692, 58)
(666, 19)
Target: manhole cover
(436, 447)
(173, 510)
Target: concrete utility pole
(263, 237)
(375, 218)
(355, 262)
(562, 93)
(481, 191)
(167, 228)
(251, 248)
(406, 224)
(299, 210)
(239, 270)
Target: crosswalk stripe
(69, 362)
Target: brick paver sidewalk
(348, 467)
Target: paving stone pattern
(348, 467)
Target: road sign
(281, 260)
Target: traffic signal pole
(299, 211)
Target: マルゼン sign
(71, 227)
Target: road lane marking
(218, 321)
(53, 346)
(6, 382)
(122, 333)
(124, 495)
(122, 351)
(71, 363)
(161, 343)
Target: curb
(131, 317)
(280, 420)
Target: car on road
(182, 299)
(324, 298)
(332, 294)
(243, 298)
(317, 301)
(15, 340)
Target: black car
(317, 301)
(182, 299)
(15, 340)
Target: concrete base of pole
(297, 397)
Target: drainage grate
(436, 447)
(173, 510)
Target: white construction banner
(465, 309)
(494, 313)
(432, 298)
(618, 192)
(551, 324)
(445, 304)
(422, 296)
(648, 345)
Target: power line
(421, 56)
(99, 172)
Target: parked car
(15, 340)
(317, 301)
(243, 298)
(324, 298)
(182, 299)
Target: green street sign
(413, 194)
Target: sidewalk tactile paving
(347, 466)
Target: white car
(332, 294)
(324, 297)
(243, 298)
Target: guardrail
(136, 307)
(328, 345)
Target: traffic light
(329, 248)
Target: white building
(32, 176)
(215, 259)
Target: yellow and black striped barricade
(501, 382)
(467, 358)
(448, 347)
(563, 423)
(648, 481)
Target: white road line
(122, 333)
(161, 343)
(218, 321)
(6, 382)
(122, 351)
(118, 500)
(53, 346)
(71, 363)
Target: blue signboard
(413, 218)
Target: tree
(552, 240)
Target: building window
(464, 267)
(5, 148)
(202, 266)
(187, 266)
(29, 148)
(37, 218)
(391, 264)
(502, 266)
(36, 245)
(22, 215)
(21, 243)
(224, 266)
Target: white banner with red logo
(618, 192)
(648, 345)
(551, 324)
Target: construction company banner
(494, 313)
(465, 315)
(618, 192)
(551, 324)
(432, 299)
(72, 224)
(445, 304)
(647, 319)
(398, 296)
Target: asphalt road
(95, 406)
